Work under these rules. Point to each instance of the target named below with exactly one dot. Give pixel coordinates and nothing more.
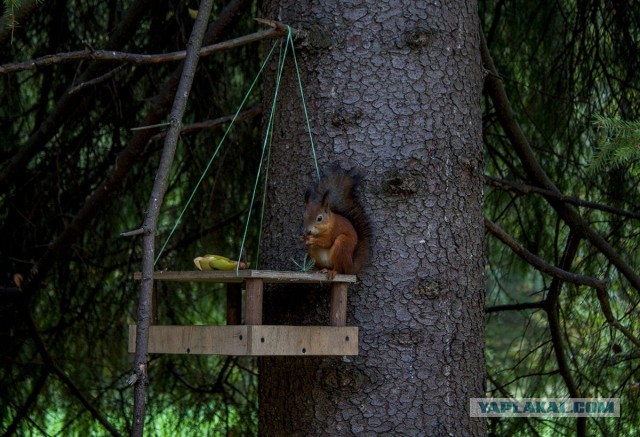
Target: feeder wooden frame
(253, 338)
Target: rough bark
(392, 88)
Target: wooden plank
(253, 306)
(267, 276)
(258, 340)
(268, 340)
(209, 340)
(338, 314)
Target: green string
(264, 199)
(215, 153)
(304, 104)
(265, 143)
(266, 146)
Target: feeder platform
(253, 338)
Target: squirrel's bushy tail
(341, 188)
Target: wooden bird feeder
(253, 338)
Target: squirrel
(336, 229)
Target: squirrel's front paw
(330, 273)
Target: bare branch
(133, 233)
(153, 211)
(136, 58)
(150, 126)
(515, 307)
(215, 123)
(603, 299)
(553, 299)
(96, 81)
(526, 189)
(540, 263)
(558, 273)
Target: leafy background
(564, 64)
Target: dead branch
(539, 263)
(137, 58)
(153, 211)
(552, 308)
(515, 307)
(605, 306)
(215, 123)
(526, 189)
(97, 80)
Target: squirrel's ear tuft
(307, 195)
(325, 200)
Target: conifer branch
(620, 143)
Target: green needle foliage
(620, 143)
(561, 62)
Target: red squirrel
(336, 229)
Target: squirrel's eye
(319, 218)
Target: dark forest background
(75, 175)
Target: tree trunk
(393, 88)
